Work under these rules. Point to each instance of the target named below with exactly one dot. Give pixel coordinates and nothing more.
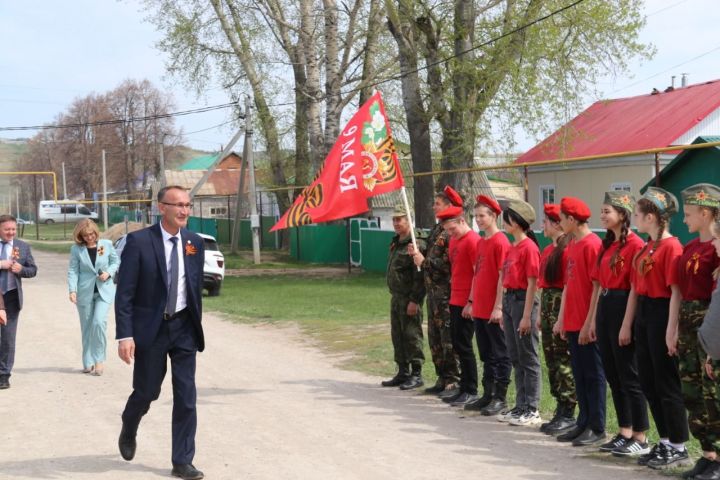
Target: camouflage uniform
(700, 393)
(406, 285)
(557, 356)
(436, 268)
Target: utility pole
(42, 188)
(64, 184)
(248, 154)
(105, 206)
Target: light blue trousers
(93, 328)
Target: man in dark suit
(16, 263)
(158, 311)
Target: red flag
(362, 163)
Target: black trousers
(177, 340)
(658, 371)
(590, 387)
(462, 334)
(620, 363)
(490, 339)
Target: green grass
(56, 231)
(52, 247)
(270, 259)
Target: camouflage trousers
(700, 393)
(406, 333)
(557, 355)
(440, 339)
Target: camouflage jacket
(403, 277)
(437, 261)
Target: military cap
(453, 196)
(524, 209)
(450, 213)
(490, 203)
(400, 211)
(552, 210)
(702, 195)
(665, 201)
(576, 208)
(620, 199)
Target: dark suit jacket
(21, 253)
(142, 285)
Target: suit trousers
(659, 375)
(462, 334)
(493, 350)
(620, 363)
(93, 328)
(590, 386)
(8, 332)
(177, 340)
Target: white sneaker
(511, 414)
(530, 416)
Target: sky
(55, 51)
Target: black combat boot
(565, 421)
(484, 401)
(556, 416)
(401, 377)
(497, 404)
(415, 379)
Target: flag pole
(410, 220)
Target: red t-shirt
(695, 268)
(660, 271)
(544, 257)
(463, 252)
(617, 277)
(582, 256)
(521, 262)
(491, 254)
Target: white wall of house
(708, 126)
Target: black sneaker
(712, 472)
(671, 457)
(617, 441)
(657, 450)
(700, 466)
(632, 448)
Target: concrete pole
(105, 205)
(17, 200)
(42, 188)
(64, 184)
(254, 218)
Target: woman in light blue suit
(93, 264)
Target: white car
(213, 269)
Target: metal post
(64, 184)
(42, 188)
(37, 208)
(248, 154)
(105, 205)
(347, 240)
(17, 202)
(526, 185)
(657, 169)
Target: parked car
(21, 221)
(51, 211)
(213, 269)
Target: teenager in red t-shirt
(611, 291)
(701, 208)
(575, 323)
(520, 312)
(553, 261)
(486, 309)
(654, 280)
(463, 250)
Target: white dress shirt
(182, 287)
(12, 284)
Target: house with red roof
(660, 119)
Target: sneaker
(671, 457)
(528, 418)
(514, 412)
(617, 441)
(656, 451)
(632, 448)
(711, 472)
(700, 466)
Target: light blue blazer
(83, 276)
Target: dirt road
(270, 407)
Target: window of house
(218, 211)
(547, 195)
(621, 186)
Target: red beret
(449, 213)
(453, 196)
(574, 207)
(490, 203)
(552, 210)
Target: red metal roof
(626, 124)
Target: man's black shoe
(413, 382)
(570, 435)
(439, 387)
(127, 443)
(477, 405)
(451, 398)
(671, 457)
(560, 426)
(449, 392)
(699, 467)
(657, 450)
(588, 437)
(712, 472)
(396, 381)
(555, 418)
(187, 472)
(4, 382)
(463, 400)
